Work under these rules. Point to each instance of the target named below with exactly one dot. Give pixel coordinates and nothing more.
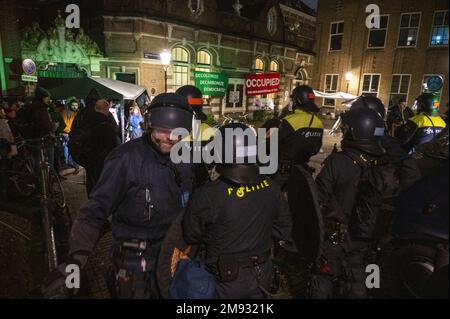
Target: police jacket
(142, 190)
(337, 182)
(300, 136)
(237, 220)
(421, 129)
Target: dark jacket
(103, 138)
(397, 116)
(234, 220)
(40, 120)
(133, 173)
(300, 136)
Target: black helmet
(425, 103)
(370, 102)
(169, 111)
(362, 128)
(303, 96)
(195, 99)
(242, 169)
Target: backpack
(80, 134)
(377, 188)
(192, 281)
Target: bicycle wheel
(25, 182)
(55, 189)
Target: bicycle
(56, 220)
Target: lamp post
(165, 57)
(348, 78)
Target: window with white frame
(371, 84)
(409, 29)
(336, 35)
(439, 34)
(331, 81)
(377, 37)
(399, 87)
(180, 67)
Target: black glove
(56, 283)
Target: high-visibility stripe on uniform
(422, 120)
(301, 119)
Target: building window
(203, 61)
(439, 35)
(377, 37)
(371, 84)
(409, 29)
(259, 65)
(180, 68)
(399, 87)
(331, 81)
(336, 34)
(126, 77)
(274, 67)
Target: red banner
(256, 84)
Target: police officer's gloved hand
(57, 285)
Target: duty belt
(336, 232)
(130, 256)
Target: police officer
(238, 217)
(203, 134)
(342, 268)
(143, 191)
(407, 166)
(423, 127)
(300, 133)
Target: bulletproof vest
(306, 139)
(428, 127)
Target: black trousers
(247, 286)
(92, 176)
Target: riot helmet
(238, 144)
(169, 111)
(303, 97)
(425, 103)
(195, 99)
(362, 129)
(370, 102)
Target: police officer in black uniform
(346, 243)
(202, 133)
(143, 191)
(406, 166)
(238, 217)
(300, 133)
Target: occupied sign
(256, 84)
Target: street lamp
(348, 78)
(166, 57)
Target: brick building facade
(392, 62)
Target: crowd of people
(230, 212)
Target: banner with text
(256, 84)
(212, 84)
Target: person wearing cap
(142, 191)
(238, 217)
(300, 133)
(40, 116)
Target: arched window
(259, 65)
(274, 66)
(203, 61)
(180, 68)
